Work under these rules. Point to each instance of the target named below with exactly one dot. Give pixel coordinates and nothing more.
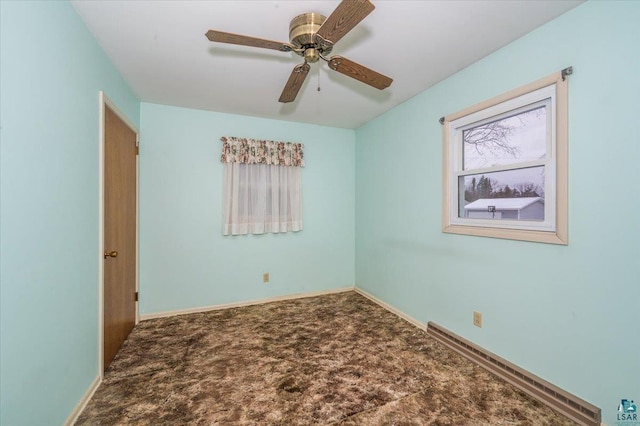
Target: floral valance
(254, 151)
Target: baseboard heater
(564, 402)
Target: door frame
(104, 102)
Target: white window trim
(554, 229)
(544, 96)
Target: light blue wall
(569, 314)
(186, 262)
(51, 70)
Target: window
(505, 165)
(262, 186)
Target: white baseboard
(391, 309)
(83, 402)
(144, 317)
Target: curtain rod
(563, 73)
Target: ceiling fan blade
(359, 72)
(242, 40)
(294, 83)
(346, 16)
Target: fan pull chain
(318, 79)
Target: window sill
(509, 234)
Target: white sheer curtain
(261, 198)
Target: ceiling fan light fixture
(311, 55)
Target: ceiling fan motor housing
(302, 30)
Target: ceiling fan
(313, 36)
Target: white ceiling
(162, 52)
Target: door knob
(110, 254)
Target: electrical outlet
(265, 277)
(477, 319)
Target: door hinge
(137, 149)
(135, 296)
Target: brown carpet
(337, 359)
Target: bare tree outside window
(515, 139)
(528, 182)
(511, 140)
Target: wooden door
(119, 296)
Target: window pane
(513, 194)
(511, 140)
